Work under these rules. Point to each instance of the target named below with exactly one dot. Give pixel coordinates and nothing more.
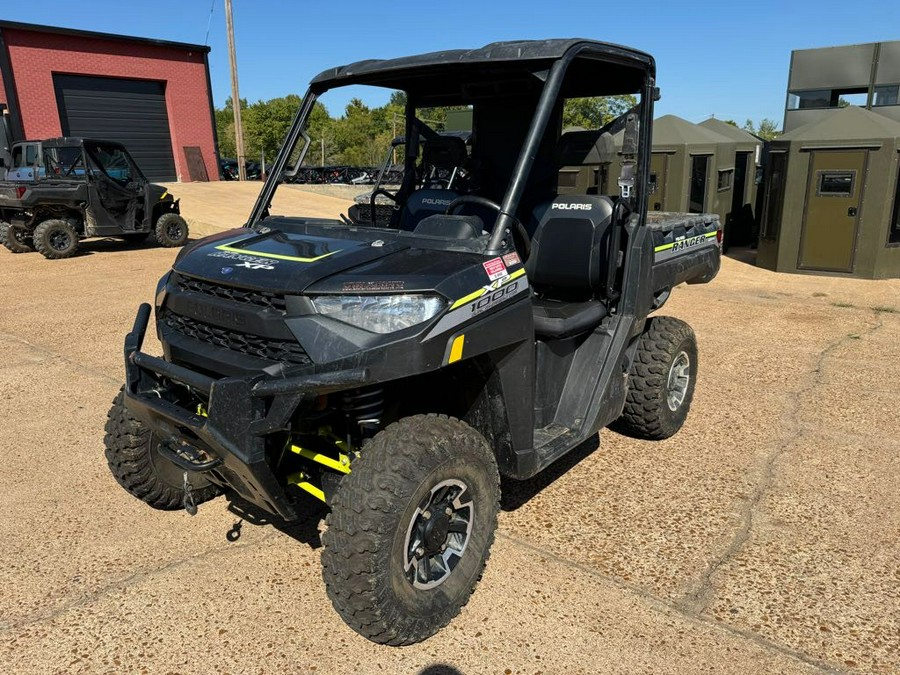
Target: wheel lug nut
(426, 515)
(448, 511)
(443, 547)
(420, 552)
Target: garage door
(130, 112)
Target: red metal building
(152, 96)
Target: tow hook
(189, 504)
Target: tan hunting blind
(832, 197)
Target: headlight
(379, 313)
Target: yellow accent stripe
(276, 256)
(325, 460)
(299, 479)
(481, 291)
(164, 195)
(666, 247)
(456, 349)
(471, 296)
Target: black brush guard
(241, 412)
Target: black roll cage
(506, 221)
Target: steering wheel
(519, 232)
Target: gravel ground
(765, 537)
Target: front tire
(16, 239)
(171, 230)
(661, 381)
(56, 239)
(410, 529)
(137, 465)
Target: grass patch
(819, 294)
(886, 309)
(842, 304)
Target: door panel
(831, 217)
(699, 178)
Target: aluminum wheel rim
(438, 534)
(679, 379)
(59, 240)
(173, 230)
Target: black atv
(395, 372)
(84, 188)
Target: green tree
(225, 127)
(266, 124)
(767, 129)
(594, 112)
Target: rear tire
(56, 239)
(171, 230)
(137, 465)
(410, 529)
(661, 381)
(16, 239)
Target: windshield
(64, 162)
(386, 162)
(113, 162)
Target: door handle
(851, 211)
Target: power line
(209, 22)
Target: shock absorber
(363, 409)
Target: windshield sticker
(511, 259)
(495, 269)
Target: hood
(277, 261)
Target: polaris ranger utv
(395, 372)
(83, 188)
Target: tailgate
(676, 234)
(9, 196)
(686, 248)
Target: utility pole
(235, 96)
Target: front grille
(245, 343)
(242, 295)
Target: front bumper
(241, 413)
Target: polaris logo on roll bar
(572, 207)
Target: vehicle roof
(460, 72)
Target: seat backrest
(570, 246)
(444, 152)
(424, 203)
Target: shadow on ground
(305, 530)
(517, 493)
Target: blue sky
(728, 59)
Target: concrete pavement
(763, 538)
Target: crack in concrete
(667, 606)
(126, 582)
(697, 600)
(59, 357)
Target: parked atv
(82, 189)
(395, 372)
